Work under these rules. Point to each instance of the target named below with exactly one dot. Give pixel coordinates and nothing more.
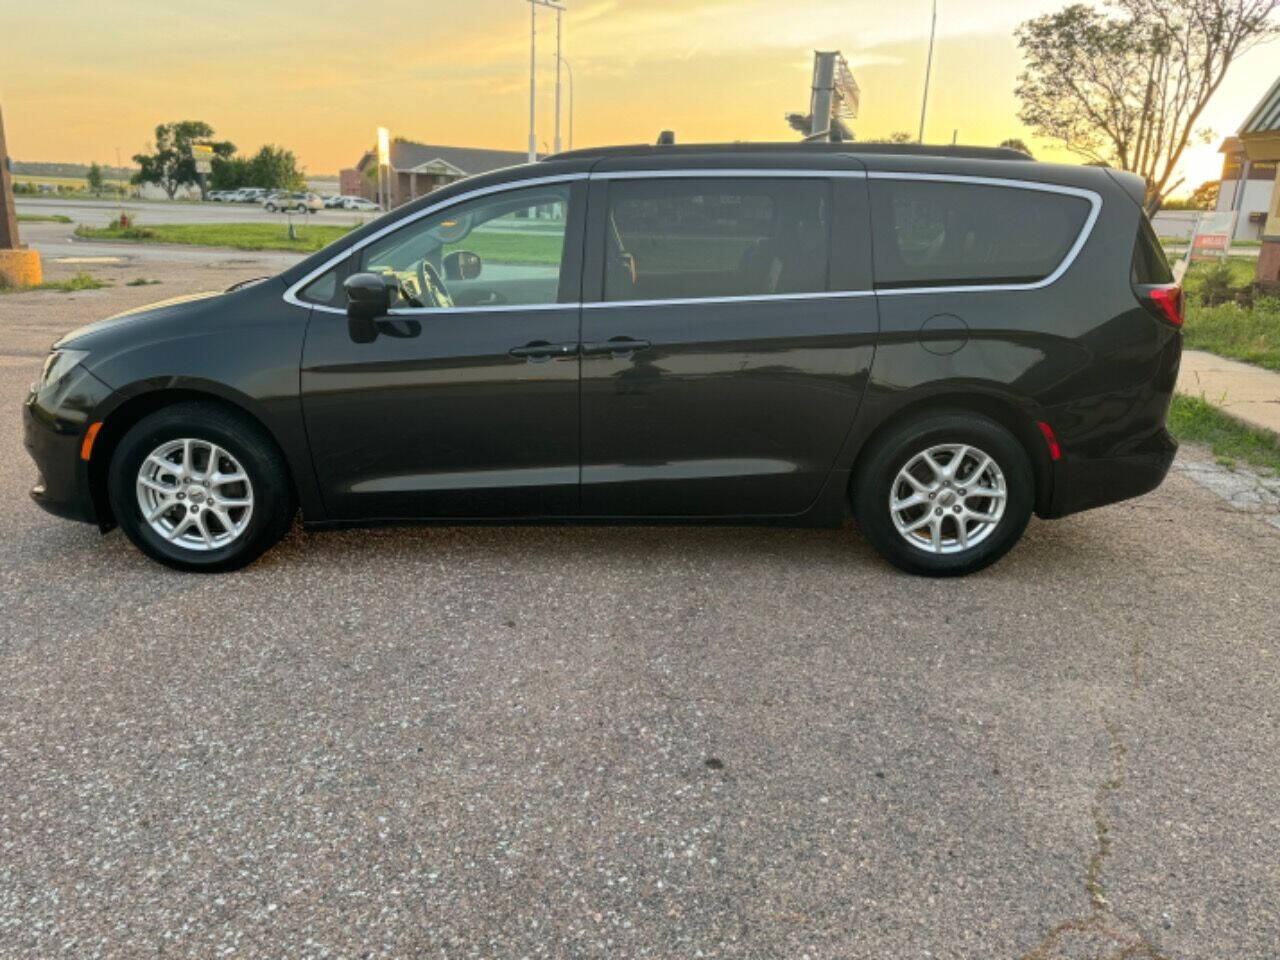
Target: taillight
(1167, 301)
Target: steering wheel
(431, 286)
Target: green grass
(502, 247)
(1250, 334)
(237, 236)
(43, 218)
(494, 246)
(140, 282)
(1195, 420)
(81, 281)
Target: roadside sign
(202, 154)
(1212, 236)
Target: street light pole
(533, 82)
(569, 70)
(559, 11)
(533, 64)
(928, 68)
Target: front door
(725, 354)
(463, 401)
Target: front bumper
(53, 426)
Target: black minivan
(941, 341)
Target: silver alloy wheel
(948, 498)
(195, 494)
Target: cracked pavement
(639, 742)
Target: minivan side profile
(941, 342)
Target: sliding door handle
(618, 346)
(541, 350)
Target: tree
(1016, 143)
(1205, 196)
(898, 136)
(1125, 86)
(229, 173)
(94, 178)
(170, 165)
(276, 169)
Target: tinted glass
(518, 236)
(1149, 262)
(930, 233)
(716, 238)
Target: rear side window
(672, 239)
(940, 233)
(1149, 262)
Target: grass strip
(1196, 420)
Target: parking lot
(633, 742)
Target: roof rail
(666, 145)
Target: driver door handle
(618, 346)
(542, 350)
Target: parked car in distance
(249, 195)
(358, 203)
(216, 196)
(293, 201)
(331, 200)
(938, 341)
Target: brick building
(419, 168)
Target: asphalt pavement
(634, 742)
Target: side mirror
(368, 296)
(462, 265)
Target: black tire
(878, 469)
(271, 208)
(273, 500)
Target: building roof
(1231, 145)
(1265, 117)
(408, 155)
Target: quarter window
(671, 239)
(936, 233)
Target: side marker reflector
(90, 435)
(1055, 451)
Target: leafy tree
(1205, 196)
(276, 169)
(94, 178)
(898, 136)
(1126, 85)
(1016, 143)
(229, 173)
(170, 165)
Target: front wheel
(945, 494)
(199, 487)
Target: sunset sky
(83, 79)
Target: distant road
(98, 213)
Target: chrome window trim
(1095, 210)
(1092, 196)
(746, 298)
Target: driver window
(494, 251)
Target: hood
(161, 309)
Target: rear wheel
(200, 487)
(944, 494)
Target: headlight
(57, 365)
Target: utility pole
(559, 11)
(8, 216)
(928, 69)
(19, 267)
(533, 66)
(569, 70)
